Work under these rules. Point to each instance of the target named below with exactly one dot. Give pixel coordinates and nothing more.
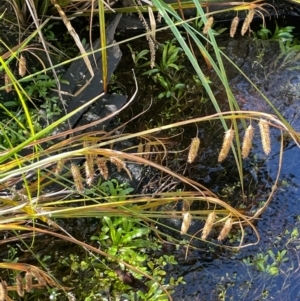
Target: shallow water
(225, 276)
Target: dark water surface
(225, 275)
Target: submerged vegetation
(100, 195)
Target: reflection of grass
(126, 220)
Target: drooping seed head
(265, 135)
(234, 25)
(147, 151)
(8, 85)
(28, 282)
(208, 225)
(22, 66)
(77, 178)
(41, 280)
(19, 282)
(59, 166)
(194, 147)
(102, 166)
(247, 142)
(226, 229)
(118, 163)
(186, 222)
(247, 21)
(226, 145)
(3, 290)
(208, 25)
(89, 169)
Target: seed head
(3, 290)
(22, 66)
(140, 148)
(234, 25)
(194, 147)
(247, 142)
(101, 164)
(247, 21)
(118, 163)
(59, 166)
(208, 25)
(19, 282)
(147, 151)
(208, 225)
(41, 280)
(89, 169)
(8, 85)
(186, 222)
(77, 177)
(265, 135)
(226, 145)
(28, 282)
(225, 230)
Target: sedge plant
(74, 162)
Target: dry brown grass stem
(102, 166)
(225, 230)
(265, 136)
(186, 222)
(77, 178)
(247, 142)
(194, 147)
(234, 25)
(208, 225)
(247, 21)
(28, 282)
(22, 66)
(226, 145)
(19, 282)
(208, 25)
